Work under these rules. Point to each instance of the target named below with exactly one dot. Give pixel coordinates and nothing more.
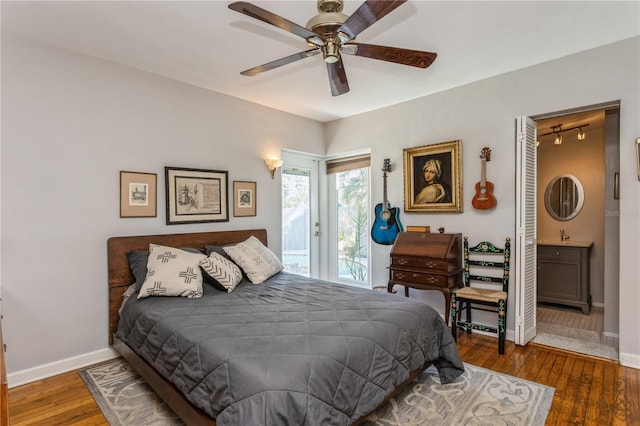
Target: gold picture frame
(442, 163)
(138, 194)
(244, 198)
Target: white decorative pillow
(256, 260)
(172, 272)
(222, 270)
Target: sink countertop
(566, 243)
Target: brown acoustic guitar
(484, 198)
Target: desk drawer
(440, 265)
(420, 278)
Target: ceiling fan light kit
(331, 33)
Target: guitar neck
(385, 202)
(483, 174)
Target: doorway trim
(524, 263)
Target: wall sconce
(273, 165)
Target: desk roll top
(427, 261)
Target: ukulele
(387, 221)
(484, 198)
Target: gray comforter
(291, 351)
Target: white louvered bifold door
(525, 247)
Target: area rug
(478, 397)
(574, 340)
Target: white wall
(70, 124)
(482, 114)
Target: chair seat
(481, 294)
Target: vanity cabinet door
(563, 276)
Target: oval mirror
(564, 197)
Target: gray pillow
(216, 249)
(138, 265)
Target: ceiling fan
(332, 33)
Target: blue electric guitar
(387, 223)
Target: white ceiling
(206, 44)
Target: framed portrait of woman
(433, 178)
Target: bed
(291, 350)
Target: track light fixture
(581, 135)
(558, 131)
(558, 139)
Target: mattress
(291, 350)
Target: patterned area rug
(574, 339)
(478, 397)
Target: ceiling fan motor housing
(328, 19)
(326, 24)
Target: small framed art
(138, 194)
(433, 178)
(196, 195)
(244, 198)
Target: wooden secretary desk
(427, 261)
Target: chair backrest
(479, 257)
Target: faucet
(563, 236)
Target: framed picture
(433, 178)
(196, 195)
(138, 194)
(244, 198)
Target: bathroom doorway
(580, 146)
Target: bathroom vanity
(563, 273)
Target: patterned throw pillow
(256, 260)
(172, 272)
(223, 271)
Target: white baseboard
(610, 334)
(630, 360)
(47, 370)
(600, 305)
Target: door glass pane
(353, 223)
(296, 226)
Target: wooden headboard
(120, 276)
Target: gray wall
(70, 124)
(482, 114)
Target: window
(349, 245)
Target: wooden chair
(488, 293)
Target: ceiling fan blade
(414, 58)
(337, 78)
(370, 12)
(276, 20)
(280, 62)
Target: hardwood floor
(589, 391)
